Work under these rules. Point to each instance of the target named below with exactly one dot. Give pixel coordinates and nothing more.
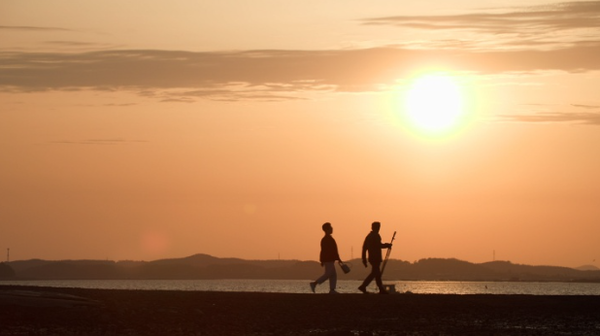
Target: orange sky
(150, 129)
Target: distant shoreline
(591, 281)
(343, 286)
(134, 312)
(206, 267)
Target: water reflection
(344, 286)
(529, 288)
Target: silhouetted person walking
(329, 255)
(373, 246)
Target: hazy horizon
(147, 130)
(286, 260)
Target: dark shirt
(372, 245)
(329, 250)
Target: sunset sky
(150, 129)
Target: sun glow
(434, 105)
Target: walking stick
(387, 255)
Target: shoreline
(74, 311)
(344, 286)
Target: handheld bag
(345, 268)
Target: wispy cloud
(33, 28)
(121, 105)
(586, 106)
(551, 25)
(566, 15)
(179, 76)
(77, 46)
(72, 43)
(273, 74)
(559, 37)
(177, 100)
(586, 118)
(99, 142)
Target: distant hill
(588, 268)
(203, 266)
(6, 272)
(199, 266)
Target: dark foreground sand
(65, 311)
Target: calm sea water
(344, 286)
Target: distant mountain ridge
(203, 266)
(588, 268)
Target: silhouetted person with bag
(373, 246)
(329, 255)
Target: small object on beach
(390, 288)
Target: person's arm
(337, 254)
(364, 251)
(322, 254)
(386, 245)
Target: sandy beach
(71, 311)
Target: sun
(434, 105)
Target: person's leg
(329, 272)
(320, 280)
(330, 269)
(323, 277)
(377, 276)
(368, 279)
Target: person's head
(375, 226)
(327, 228)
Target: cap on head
(375, 225)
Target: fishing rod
(387, 255)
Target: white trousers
(330, 274)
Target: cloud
(567, 15)
(33, 28)
(558, 37)
(277, 74)
(99, 142)
(586, 106)
(529, 26)
(72, 43)
(121, 105)
(177, 100)
(586, 118)
(253, 73)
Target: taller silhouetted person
(372, 246)
(329, 255)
